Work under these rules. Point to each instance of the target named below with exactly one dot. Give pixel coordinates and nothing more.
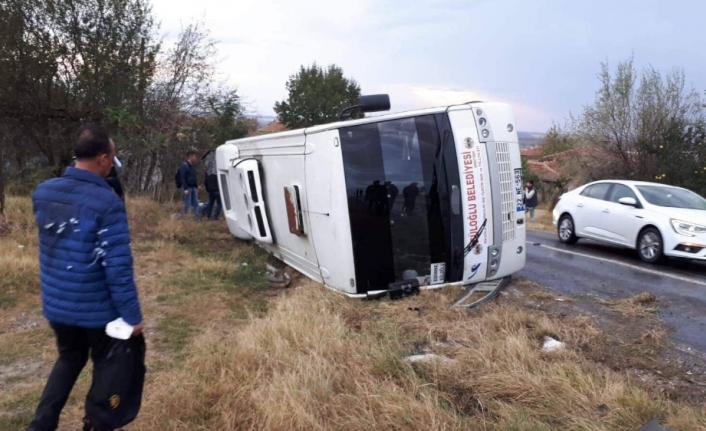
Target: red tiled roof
(531, 152)
(546, 171)
(273, 127)
(574, 152)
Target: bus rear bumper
(513, 256)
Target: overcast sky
(541, 56)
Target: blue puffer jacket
(84, 252)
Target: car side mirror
(631, 202)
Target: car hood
(691, 216)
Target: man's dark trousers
(74, 344)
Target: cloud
(541, 57)
(387, 47)
(417, 97)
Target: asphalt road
(613, 273)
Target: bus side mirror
(374, 103)
(370, 103)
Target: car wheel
(649, 245)
(565, 230)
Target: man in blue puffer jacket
(86, 268)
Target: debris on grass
(430, 357)
(552, 345)
(278, 276)
(654, 425)
(635, 306)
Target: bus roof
(348, 123)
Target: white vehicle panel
(473, 162)
(328, 211)
(299, 184)
(250, 202)
(297, 251)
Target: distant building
(531, 153)
(273, 127)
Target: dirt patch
(16, 372)
(24, 322)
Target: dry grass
(228, 351)
(189, 278)
(542, 221)
(322, 362)
(642, 305)
(18, 257)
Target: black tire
(566, 231)
(650, 246)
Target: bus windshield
(398, 199)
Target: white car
(655, 219)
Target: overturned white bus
(390, 203)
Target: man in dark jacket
(189, 186)
(214, 195)
(85, 267)
(113, 180)
(530, 199)
(410, 194)
(114, 183)
(392, 192)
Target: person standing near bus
(530, 199)
(189, 186)
(114, 181)
(214, 196)
(85, 268)
(410, 194)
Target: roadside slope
(227, 350)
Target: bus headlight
(482, 122)
(519, 250)
(485, 133)
(495, 252)
(510, 128)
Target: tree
(229, 122)
(64, 63)
(2, 180)
(556, 141)
(316, 96)
(529, 175)
(643, 126)
(631, 118)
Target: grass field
(542, 221)
(229, 351)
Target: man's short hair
(531, 182)
(91, 140)
(190, 153)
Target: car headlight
(687, 228)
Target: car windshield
(672, 197)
